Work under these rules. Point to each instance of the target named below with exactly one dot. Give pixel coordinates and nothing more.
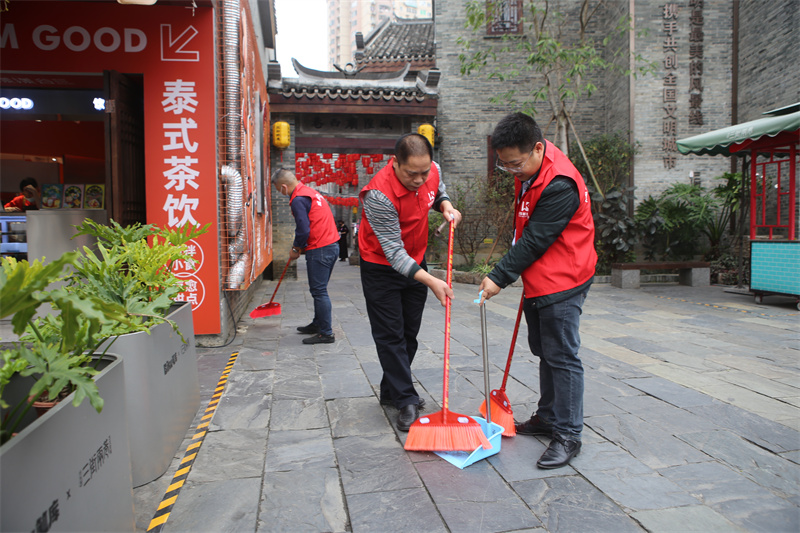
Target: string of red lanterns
(341, 170)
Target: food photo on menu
(52, 193)
(73, 196)
(94, 197)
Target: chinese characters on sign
(696, 63)
(669, 126)
(94, 463)
(44, 522)
(180, 99)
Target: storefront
(154, 114)
(772, 145)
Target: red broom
(270, 308)
(501, 412)
(446, 431)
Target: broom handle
(513, 343)
(446, 385)
(485, 346)
(281, 279)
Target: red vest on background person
(570, 261)
(323, 230)
(412, 208)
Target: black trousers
(394, 306)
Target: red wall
(86, 139)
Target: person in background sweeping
(316, 233)
(392, 241)
(344, 231)
(553, 251)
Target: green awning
(724, 141)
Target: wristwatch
(295, 249)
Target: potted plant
(69, 468)
(132, 268)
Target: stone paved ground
(692, 409)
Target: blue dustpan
(493, 432)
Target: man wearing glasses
(553, 251)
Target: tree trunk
(560, 139)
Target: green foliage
(672, 223)
(133, 269)
(615, 230)
(554, 61)
(611, 157)
(54, 350)
(127, 287)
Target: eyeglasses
(508, 167)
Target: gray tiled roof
(401, 40)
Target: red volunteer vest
(412, 208)
(323, 230)
(569, 262)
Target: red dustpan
(270, 308)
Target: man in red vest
(553, 251)
(316, 233)
(392, 241)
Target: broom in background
(446, 431)
(501, 412)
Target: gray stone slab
(351, 417)
(763, 467)
(649, 443)
(639, 492)
(374, 463)
(228, 505)
(337, 362)
(249, 383)
(638, 345)
(241, 412)
(570, 503)
(399, 511)
(230, 454)
(308, 500)
(737, 498)
(668, 391)
(295, 450)
(692, 518)
(606, 455)
(766, 433)
(666, 416)
(345, 384)
(517, 458)
(298, 414)
(262, 358)
(475, 498)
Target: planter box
(70, 469)
(162, 390)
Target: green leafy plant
(615, 231)
(133, 269)
(55, 350)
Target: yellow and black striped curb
(171, 494)
(726, 308)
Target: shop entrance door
(125, 183)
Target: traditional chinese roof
(396, 42)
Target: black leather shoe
(407, 416)
(534, 426)
(559, 453)
(309, 329)
(319, 338)
(420, 405)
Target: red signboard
(173, 48)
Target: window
(503, 17)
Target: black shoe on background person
(534, 426)
(320, 339)
(407, 416)
(559, 453)
(387, 401)
(309, 329)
